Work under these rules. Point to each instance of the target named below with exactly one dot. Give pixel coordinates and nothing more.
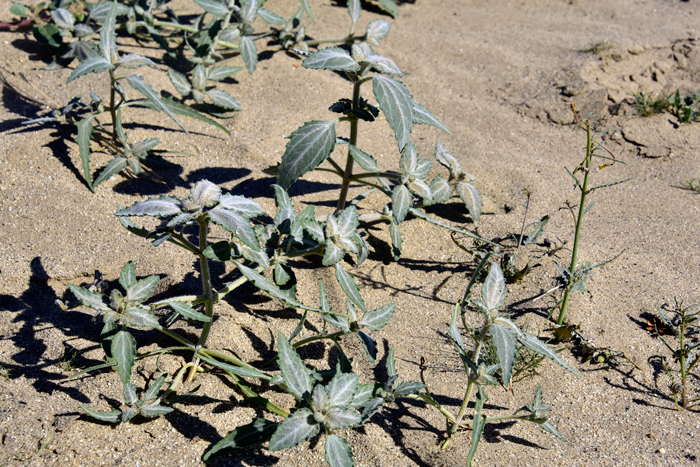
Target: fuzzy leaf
(249, 10)
(236, 370)
(332, 254)
(390, 7)
(224, 100)
(449, 161)
(187, 311)
(214, 7)
(182, 109)
(205, 193)
(307, 9)
(421, 116)
(471, 198)
(297, 428)
(477, 426)
(63, 18)
(397, 105)
(408, 387)
(256, 432)
(20, 10)
(420, 188)
(377, 29)
(243, 206)
(440, 189)
(401, 201)
(163, 206)
(338, 452)
(536, 345)
(308, 147)
(364, 160)
(90, 299)
(331, 58)
(141, 290)
(139, 317)
(506, 350)
(493, 292)
(347, 283)
(153, 411)
(90, 65)
(339, 419)
(266, 285)
(180, 82)
(369, 345)
(271, 18)
(124, 353)
(112, 416)
(115, 166)
(219, 73)
(237, 225)
(379, 317)
(135, 61)
(139, 85)
(396, 240)
(108, 36)
(152, 391)
(249, 52)
(341, 389)
(128, 275)
(384, 65)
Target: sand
(501, 76)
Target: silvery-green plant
(408, 188)
(684, 323)
(505, 335)
(261, 252)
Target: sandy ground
(500, 75)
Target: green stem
(347, 174)
(177, 337)
(203, 222)
(579, 222)
(112, 106)
(168, 24)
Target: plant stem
(347, 175)
(579, 221)
(112, 106)
(168, 24)
(203, 222)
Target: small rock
(616, 56)
(681, 60)
(654, 152)
(636, 49)
(661, 451)
(663, 66)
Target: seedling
(502, 333)
(684, 323)
(574, 276)
(647, 105)
(686, 109)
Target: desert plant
(647, 105)
(684, 324)
(574, 276)
(502, 333)
(686, 109)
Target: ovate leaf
(341, 389)
(271, 18)
(354, 10)
(397, 104)
(224, 100)
(249, 52)
(180, 82)
(243, 206)
(379, 317)
(297, 428)
(377, 29)
(308, 147)
(364, 160)
(384, 65)
(90, 299)
(63, 18)
(214, 7)
(493, 292)
(471, 198)
(338, 452)
(128, 275)
(237, 225)
(219, 73)
(141, 290)
(369, 345)
(446, 158)
(339, 418)
(390, 7)
(331, 58)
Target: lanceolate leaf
(158, 207)
(331, 58)
(180, 82)
(214, 7)
(128, 274)
(90, 65)
(138, 84)
(187, 311)
(224, 100)
(256, 432)
(536, 345)
(84, 133)
(364, 160)
(308, 147)
(506, 349)
(369, 345)
(379, 317)
(445, 158)
(218, 73)
(347, 283)
(108, 36)
(90, 299)
(422, 116)
(249, 52)
(307, 9)
(397, 104)
(153, 411)
(236, 370)
(338, 452)
(181, 109)
(477, 426)
(297, 428)
(471, 198)
(271, 18)
(396, 240)
(389, 6)
(135, 61)
(112, 416)
(266, 285)
(243, 206)
(401, 201)
(124, 352)
(493, 292)
(378, 29)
